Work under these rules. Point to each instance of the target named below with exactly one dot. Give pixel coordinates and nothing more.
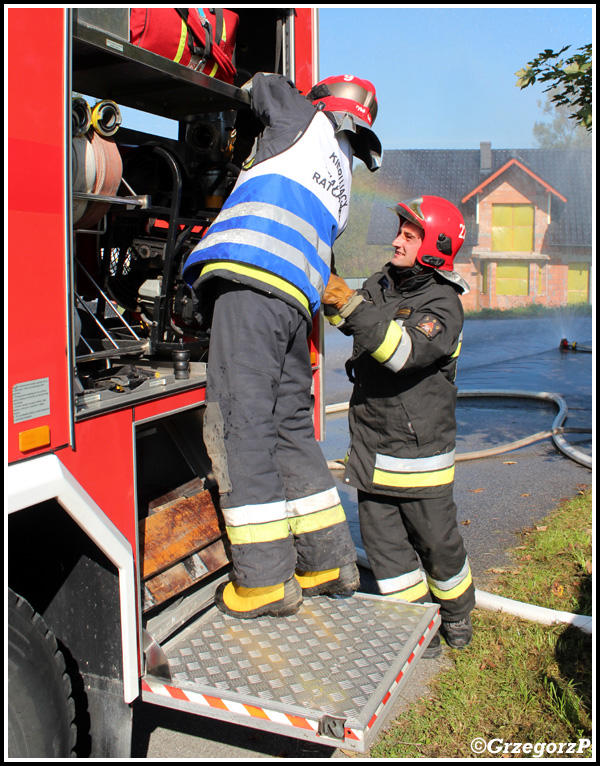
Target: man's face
(406, 245)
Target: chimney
(485, 161)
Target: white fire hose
(494, 603)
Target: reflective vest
(277, 228)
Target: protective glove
(338, 294)
(247, 86)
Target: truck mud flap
(330, 674)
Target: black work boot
(458, 634)
(434, 648)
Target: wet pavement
(496, 496)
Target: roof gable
(502, 170)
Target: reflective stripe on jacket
(402, 410)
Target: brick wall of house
(468, 272)
(548, 267)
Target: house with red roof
(528, 214)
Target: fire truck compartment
(329, 674)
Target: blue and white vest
(277, 227)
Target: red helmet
(353, 104)
(443, 226)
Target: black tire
(40, 707)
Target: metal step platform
(329, 674)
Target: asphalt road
(496, 496)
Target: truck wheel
(40, 707)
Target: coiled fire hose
(106, 118)
(556, 432)
(81, 116)
(97, 164)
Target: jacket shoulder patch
(430, 327)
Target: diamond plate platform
(329, 674)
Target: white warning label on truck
(31, 400)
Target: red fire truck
(115, 541)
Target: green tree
(560, 132)
(570, 80)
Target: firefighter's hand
(337, 293)
(339, 296)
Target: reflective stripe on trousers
(264, 522)
(399, 534)
(409, 587)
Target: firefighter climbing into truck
(118, 544)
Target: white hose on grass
(494, 603)
(491, 602)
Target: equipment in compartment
(140, 205)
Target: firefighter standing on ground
(264, 265)
(407, 324)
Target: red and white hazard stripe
(206, 700)
(249, 711)
(431, 627)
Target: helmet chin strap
(414, 272)
(418, 268)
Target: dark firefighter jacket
(407, 339)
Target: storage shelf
(107, 67)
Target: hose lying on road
(556, 432)
(491, 602)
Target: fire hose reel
(97, 164)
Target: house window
(512, 228)
(578, 282)
(512, 278)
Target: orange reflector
(34, 438)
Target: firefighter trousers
(397, 532)
(280, 504)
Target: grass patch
(518, 682)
